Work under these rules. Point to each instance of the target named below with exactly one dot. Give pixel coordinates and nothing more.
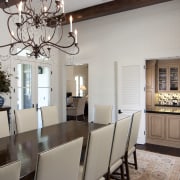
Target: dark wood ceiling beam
(108, 8)
(10, 3)
(104, 9)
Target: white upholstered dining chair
(97, 154)
(4, 127)
(78, 108)
(119, 146)
(49, 115)
(10, 171)
(103, 114)
(61, 162)
(26, 120)
(132, 140)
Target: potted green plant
(5, 84)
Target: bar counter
(164, 110)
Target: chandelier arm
(55, 45)
(10, 13)
(43, 38)
(60, 38)
(50, 4)
(48, 12)
(45, 14)
(70, 45)
(10, 32)
(59, 48)
(17, 33)
(26, 21)
(21, 39)
(18, 39)
(52, 34)
(44, 53)
(27, 14)
(9, 44)
(28, 11)
(27, 5)
(10, 50)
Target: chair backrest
(10, 171)
(98, 153)
(80, 106)
(103, 114)
(26, 120)
(49, 115)
(120, 139)
(134, 129)
(4, 127)
(61, 162)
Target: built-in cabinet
(168, 76)
(150, 83)
(163, 129)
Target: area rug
(154, 166)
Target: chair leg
(126, 166)
(135, 159)
(122, 171)
(118, 175)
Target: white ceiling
(73, 5)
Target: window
(79, 83)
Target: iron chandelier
(30, 28)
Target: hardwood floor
(160, 149)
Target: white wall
(129, 38)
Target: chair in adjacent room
(10, 171)
(26, 120)
(120, 139)
(131, 145)
(97, 154)
(4, 126)
(49, 115)
(61, 162)
(103, 114)
(78, 108)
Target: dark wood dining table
(26, 146)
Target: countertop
(164, 110)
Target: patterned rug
(154, 166)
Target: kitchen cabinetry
(150, 83)
(163, 129)
(168, 77)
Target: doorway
(77, 84)
(33, 86)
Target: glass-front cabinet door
(168, 78)
(163, 78)
(174, 78)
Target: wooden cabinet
(163, 129)
(156, 126)
(173, 128)
(168, 76)
(150, 83)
